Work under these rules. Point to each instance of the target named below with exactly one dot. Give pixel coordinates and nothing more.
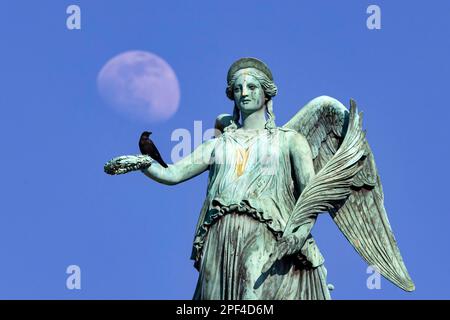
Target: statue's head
(251, 87)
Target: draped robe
(250, 195)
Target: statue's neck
(255, 120)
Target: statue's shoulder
(284, 130)
(290, 133)
(294, 138)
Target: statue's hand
(284, 247)
(124, 164)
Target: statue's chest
(242, 153)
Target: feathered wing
(356, 207)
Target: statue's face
(248, 93)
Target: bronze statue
(266, 186)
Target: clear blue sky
(132, 237)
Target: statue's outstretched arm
(188, 167)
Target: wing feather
(361, 217)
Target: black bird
(147, 147)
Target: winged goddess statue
(266, 187)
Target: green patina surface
(266, 186)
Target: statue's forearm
(168, 176)
(185, 169)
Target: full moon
(141, 85)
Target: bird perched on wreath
(147, 147)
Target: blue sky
(132, 237)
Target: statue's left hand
(124, 164)
(284, 247)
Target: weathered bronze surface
(266, 186)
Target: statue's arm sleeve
(303, 172)
(188, 167)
